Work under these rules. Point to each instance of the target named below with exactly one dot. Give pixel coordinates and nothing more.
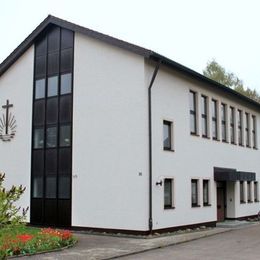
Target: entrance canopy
(227, 174)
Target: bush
(9, 212)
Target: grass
(23, 240)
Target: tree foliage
(216, 72)
(9, 212)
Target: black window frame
(196, 202)
(249, 194)
(232, 124)
(247, 133)
(204, 116)
(256, 191)
(169, 125)
(170, 205)
(242, 192)
(214, 118)
(206, 198)
(224, 122)
(254, 138)
(193, 112)
(239, 127)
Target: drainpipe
(150, 145)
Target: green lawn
(22, 240)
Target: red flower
(25, 237)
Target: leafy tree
(9, 212)
(216, 72)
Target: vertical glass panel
(167, 135)
(167, 193)
(194, 192)
(53, 63)
(50, 189)
(223, 112)
(53, 86)
(192, 123)
(231, 115)
(65, 85)
(214, 108)
(205, 192)
(65, 135)
(65, 109)
(203, 105)
(41, 47)
(214, 129)
(40, 66)
(242, 192)
(232, 137)
(239, 118)
(66, 60)
(52, 111)
(51, 137)
(54, 39)
(51, 161)
(38, 162)
(66, 39)
(64, 187)
(37, 187)
(38, 139)
(248, 192)
(65, 161)
(40, 88)
(192, 101)
(223, 129)
(39, 112)
(204, 126)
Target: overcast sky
(190, 32)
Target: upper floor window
(254, 132)
(204, 116)
(232, 125)
(223, 122)
(167, 135)
(247, 130)
(193, 113)
(239, 127)
(214, 119)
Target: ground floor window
(206, 191)
(242, 192)
(194, 193)
(249, 196)
(168, 193)
(256, 199)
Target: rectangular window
(223, 122)
(249, 197)
(254, 132)
(239, 127)
(242, 193)
(206, 193)
(204, 116)
(232, 125)
(256, 191)
(167, 135)
(168, 193)
(214, 119)
(194, 193)
(193, 113)
(247, 130)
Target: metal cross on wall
(7, 106)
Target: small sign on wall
(7, 123)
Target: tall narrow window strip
(168, 193)
(167, 135)
(193, 112)
(254, 132)
(223, 123)
(242, 195)
(214, 120)
(239, 127)
(247, 130)
(204, 116)
(206, 193)
(194, 193)
(256, 191)
(249, 198)
(232, 125)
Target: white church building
(106, 135)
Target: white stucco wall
(194, 157)
(16, 84)
(110, 140)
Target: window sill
(242, 202)
(234, 143)
(194, 134)
(215, 139)
(168, 150)
(256, 200)
(255, 148)
(248, 146)
(241, 145)
(225, 141)
(250, 201)
(195, 206)
(207, 205)
(205, 136)
(166, 208)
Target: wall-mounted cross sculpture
(7, 106)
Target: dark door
(221, 203)
(52, 129)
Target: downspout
(150, 145)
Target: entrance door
(221, 202)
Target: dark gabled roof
(51, 20)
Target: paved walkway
(106, 247)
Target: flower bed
(24, 240)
